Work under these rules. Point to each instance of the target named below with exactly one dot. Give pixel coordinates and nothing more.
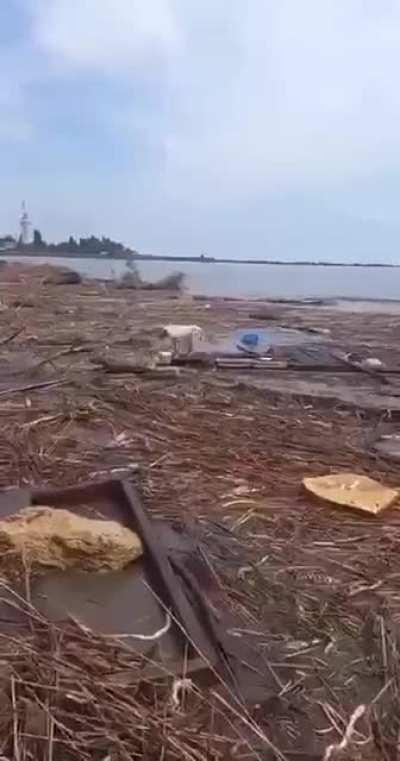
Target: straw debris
(313, 587)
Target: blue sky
(263, 129)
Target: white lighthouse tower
(24, 226)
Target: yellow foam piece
(352, 490)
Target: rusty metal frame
(175, 587)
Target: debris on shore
(219, 455)
(132, 280)
(63, 277)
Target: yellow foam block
(352, 490)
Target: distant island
(105, 248)
(83, 247)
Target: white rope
(146, 637)
(177, 687)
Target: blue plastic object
(250, 339)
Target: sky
(258, 129)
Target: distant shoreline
(201, 260)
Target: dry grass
(69, 694)
(315, 589)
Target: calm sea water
(254, 281)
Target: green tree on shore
(38, 241)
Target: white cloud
(311, 98)
(15, 123)
(248, 100)
(253, 94)
(256, 92)
(105, 35)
